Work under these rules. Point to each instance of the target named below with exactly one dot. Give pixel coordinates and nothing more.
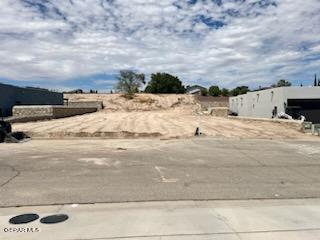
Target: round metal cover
(24, 218)
(57, 218)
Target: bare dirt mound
(141, 102)
(176, 123)
(148, 115)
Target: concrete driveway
(43, 172)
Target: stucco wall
(261, 103)
(240, 105)
(60, 112)
(26, 111)
(50, 111)
(302, 92)
(11, 96)
(87, 104)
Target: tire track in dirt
(174, 128)
(160, 124)
(112, 125)
(95, 126)
(67, 123)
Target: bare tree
(129, 82)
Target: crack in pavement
(13, 169)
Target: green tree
(214, 91)
(239, 90)
(204, 92)
(164, 83)
(129, 82)
(283, 83)
(225, 92)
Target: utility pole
(315, 80)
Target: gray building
(295, 101)
(11, 96)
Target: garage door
(310, 108)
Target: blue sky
(68, 44)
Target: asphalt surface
(45, 172)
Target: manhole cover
(54, 219)
(24, 218)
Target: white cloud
(62, 40)
(105, 81)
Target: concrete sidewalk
(192, 220)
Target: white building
(195, 89)
(295, 101)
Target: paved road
(188, 220)
(91, 171)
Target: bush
(225, 92)
(214, 91)
(204, 92)
(282, 83)
(239, 90)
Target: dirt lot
(164, 116)
(142, 102)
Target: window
(258, 95)
(272, 93)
